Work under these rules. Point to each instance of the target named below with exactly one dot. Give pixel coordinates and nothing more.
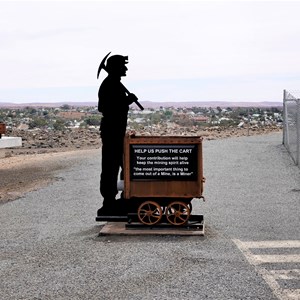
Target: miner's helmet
(116, 62)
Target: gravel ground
(25, 173)
(50, 248)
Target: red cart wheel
(178, 213)
(149, 213)
(189, 205)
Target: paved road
(50, 248)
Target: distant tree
(197, 109)
(65, 107)
(32, 111)
(168, 114)
(83, 125)
(38, 123)
(59, 125)
(93, 120)
(154, 118)
(227, 123)
(184, 121)
(275, 110)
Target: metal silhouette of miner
(113, 102)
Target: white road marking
(273, 276)
(287, 258)
(273, 244)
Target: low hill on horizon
(151, 104)
(189, 104)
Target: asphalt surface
(50, 248)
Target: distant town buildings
(68, 127)
(69, 117)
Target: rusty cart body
(2, 129)
(162, 175)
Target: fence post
(284, 120)
(291, 105)
(286, 139)
(298, 132)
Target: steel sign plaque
(163, 162)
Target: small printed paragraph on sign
(163, 162)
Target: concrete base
(10, 142)
(119, 228)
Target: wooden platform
(121, 228)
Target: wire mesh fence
(291, 128)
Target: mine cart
(162, 175)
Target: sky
(245, 51)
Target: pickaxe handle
(135, 101)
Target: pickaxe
(102, 66)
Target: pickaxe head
(102, 65)
(114, 63)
